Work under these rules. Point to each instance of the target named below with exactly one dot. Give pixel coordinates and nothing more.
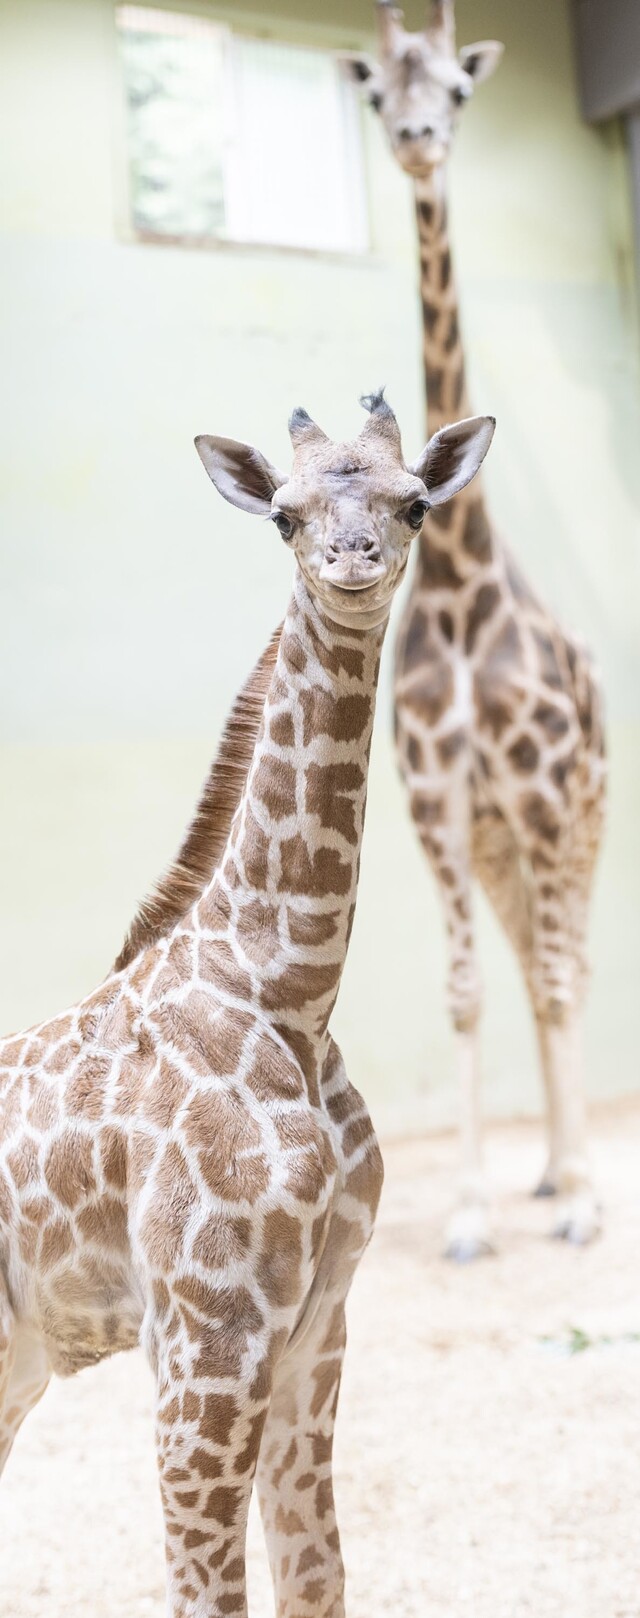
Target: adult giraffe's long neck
(462, 525)
(286, 889)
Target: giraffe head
(350, 511)
(420, 82)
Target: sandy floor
(483, 1471)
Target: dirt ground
(484, 1470)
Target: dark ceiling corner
(607, 35)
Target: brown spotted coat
(498, 710)
(184, 1163)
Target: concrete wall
(136, 601)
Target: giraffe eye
(458, 97)
(283, 524)
(375, 100)
(416, 514)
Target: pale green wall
(136, 601)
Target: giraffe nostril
(427, 131)
(405, 132)
(364, 545)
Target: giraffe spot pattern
(316, 874)
(341, 718)
(330, 794)
(177, 1159)
(437, 567)
(529, 684)
(482, 609)
(275, 785)
(524, 754)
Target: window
(173, 75)
(238, 138)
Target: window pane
(294, 173)
(173, 73)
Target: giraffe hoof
(546, 1188)
(466, 1250)
(468, 1235)
(579, 1222)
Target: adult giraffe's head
(350, 511)
(420, 82)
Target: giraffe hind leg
(447, 848)
(579, 1216)
(560, 1033)
(499, 869)
(547, 931)
(7, 1361)
(496, 864)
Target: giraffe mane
(204, 841)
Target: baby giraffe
(183, 1161)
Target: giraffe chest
(212, 1148)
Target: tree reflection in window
(173, 77)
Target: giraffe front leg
(295, 1465)
(468, 1234)
(213, 1386)
(548, 1185)
(295, 1481)
(446, 841)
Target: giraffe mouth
(421, 160)
(352, 574)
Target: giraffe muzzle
(352, 563)
(419, 153)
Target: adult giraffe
(498, 711)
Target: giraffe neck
(443, 359)
(461, 528)
(286, 890)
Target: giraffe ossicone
(421, 82)
(498, 711)
(183, 1161)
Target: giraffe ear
(453, 456)
(240, 473)
(481, 60)
(358, 68)
(365, 72)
